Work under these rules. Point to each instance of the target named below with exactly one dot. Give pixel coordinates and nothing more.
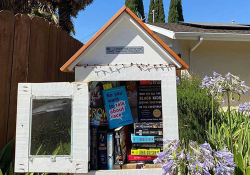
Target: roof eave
(212, 36)
(196, 35)
(65, 67)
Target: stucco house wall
(218, 56)
(221, 57)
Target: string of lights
(131, 64)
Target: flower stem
(230, 120)
(213, 117)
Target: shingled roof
(178, 27)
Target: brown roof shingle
(176, 27)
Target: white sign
(125, 50)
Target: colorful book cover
(97, 113)
(110, 150)
(149, 132)
(149, 103)
(146, 139)
(131, 88)
(137, 166)
(102, 150)
(117, 107)
(148, 125)
(145, 151)
(138, 158)
(120, 145)
(147, 145)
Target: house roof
(205, 27)
(124, 9)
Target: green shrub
(6, 166)
(194, 109)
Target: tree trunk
(65, 11)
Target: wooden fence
(31, 50)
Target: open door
(52, 128)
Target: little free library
(114, 117)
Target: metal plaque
(125, 50)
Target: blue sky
(99, 12)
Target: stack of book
(120, 113)
(147, 141)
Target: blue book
(146, 139)
(117, 107)
(110, 150)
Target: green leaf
(248, 171)
(56, 151)
(11, 171)
(10, 144)
(6, 156)
(38, 150)
(240, 162)
(212, 144)
(1, 173)
(240, 145)
(238, 171)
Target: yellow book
(145, 152)
(107, 86)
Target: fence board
(71, 76)
(30, 51)
(62, 56)
(38, 58)
(7, 20)
(19, 66)
(52, 65)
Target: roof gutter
(196, 35)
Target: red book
(144, 82)
(139, 158)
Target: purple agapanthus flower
(245, 108)
(172, 156)
(216, 74)
(219, 86)
(177, 80)
(200, 160)
(224, 162)
(228, 76)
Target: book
(94, 148)
(97, 114)
(102, 150)
(141, 161)
(137, 166)
(147, 145)
(138, 158)
(148, 125)
(117, 107)
(149, 103)
(131, 88)
(146, 139)
(120, 145)
(149, 132)
(145, 152)
(110, 150)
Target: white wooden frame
(167, 76)
(74, 163)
